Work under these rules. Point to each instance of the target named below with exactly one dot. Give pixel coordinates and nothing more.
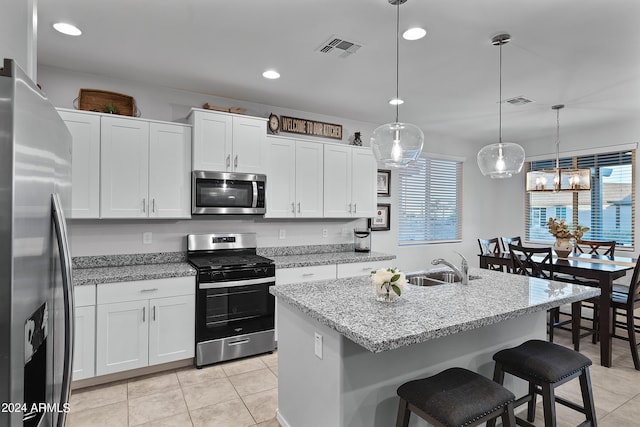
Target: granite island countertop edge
(376, 313)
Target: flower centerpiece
(560, 230)
(388, 283)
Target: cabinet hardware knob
(355, 208)
(293, 207)
(153, 205)
(144, 311)
(149, 290)
(298, 207)
(235, 162)
(349, 207)
(154, 313)
(144, 205)
(228, 160)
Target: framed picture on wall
(382, 220)
(384, 182)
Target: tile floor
(244, 393)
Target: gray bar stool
(453, 398)
(545, 366)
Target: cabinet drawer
(145, 289)
(84, 295)
(361, 268)
(305, 274)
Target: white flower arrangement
(388, 282)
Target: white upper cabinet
(294, 179)
(85, 173)
(225, 142)
(124, 162)
(169, 170)
(145, 169)
(349, 182)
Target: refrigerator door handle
(60, 226)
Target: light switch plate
(318, 345)
(325, 232)
(282, 234)
(147, 238)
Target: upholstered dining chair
(488, 247)
(624, 303)
(510, 240)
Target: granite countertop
(127, 273)
(306, 260)
(349, 306)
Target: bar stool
(545, 366)
(453, 398)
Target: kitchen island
(342, 354)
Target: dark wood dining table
(604, 269)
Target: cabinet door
(122, 336)
(124, 167)
(363, 183)
(337, 181)
(169, 171)
(212, 135)
(249, 144)
(171, 329)
(84, 363)
(309, 179)
(85, 166)
(281, 179)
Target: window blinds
(608, 209)
(430, 201)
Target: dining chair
(592, 247)
(488, 247)
(522, 263)
(624, 304)
(506, 241)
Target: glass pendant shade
(501, 160)
(559, 180)
(397, 144)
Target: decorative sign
(310, 127)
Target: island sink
(435, 277)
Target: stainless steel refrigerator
(36, 296)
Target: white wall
(18, 34)
(491, 208)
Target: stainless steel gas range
(234, 309)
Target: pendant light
(503, 159)
(559, 179)
(397, 144)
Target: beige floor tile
(254, 381)
(231, 413)
(98, 396)
(274, 369)
(156, 406)
(180, 420)
(113, 415)
(242, 366)
(190, 376)
(209, 393)
(271, 423)
(148, 385)
(262, 405)
(270, 359)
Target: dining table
(601, 268)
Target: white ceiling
(583, 53)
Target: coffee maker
(362, 240)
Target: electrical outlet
(147, 238)
(318, 345)
(325, 232)
(282, 234)
(345, 232)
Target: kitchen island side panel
(351, 386)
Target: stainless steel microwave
(227, 193)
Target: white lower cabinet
(84, 343)
(361, 268)
(144, 323)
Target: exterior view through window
(607, 209)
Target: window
(430, 201)
(608, 209)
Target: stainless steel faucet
(462, 273)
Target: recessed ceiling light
(271, 74)
(396, 101)
(68, 29)
(414, 33)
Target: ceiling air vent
(518, 100)
(339, 47)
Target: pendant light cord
(500, 99)
(557, 139)
(397, 57)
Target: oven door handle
(218, 285)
